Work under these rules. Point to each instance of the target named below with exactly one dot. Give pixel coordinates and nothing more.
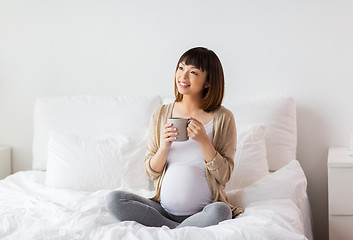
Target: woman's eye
(181, 68)
(193, 72)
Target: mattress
(31, 210)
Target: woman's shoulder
(223, 112)
(165, 107)
(163, 110)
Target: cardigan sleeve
(225, 140)
(152, 145)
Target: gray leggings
(126, 206)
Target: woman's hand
(169, 135)
(196, 131)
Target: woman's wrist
(208, 150)
(159, 159)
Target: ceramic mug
(180, 124)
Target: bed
(86, 146)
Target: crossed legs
(126, 206)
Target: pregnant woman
(189, 176)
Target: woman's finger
(189, 130)
(194, 127)
(172, 134)
(171, 139)
(196, 123)
(170, 129)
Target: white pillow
(88, 116)
(95, 163)
(278, 113)
(250, 157)
(289, 182)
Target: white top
(185, 190)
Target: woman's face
(190, 80)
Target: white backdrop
(302, 48)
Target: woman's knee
(115, 197)
(220, 210)
(115, 201)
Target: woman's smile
(183, 84)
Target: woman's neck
(191, 105)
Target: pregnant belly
(185, 190)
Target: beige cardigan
(218, 171)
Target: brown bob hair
(205, 60)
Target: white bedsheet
(31, 210)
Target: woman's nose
(185, 74)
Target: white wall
(302, 48)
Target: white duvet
(31, 210)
